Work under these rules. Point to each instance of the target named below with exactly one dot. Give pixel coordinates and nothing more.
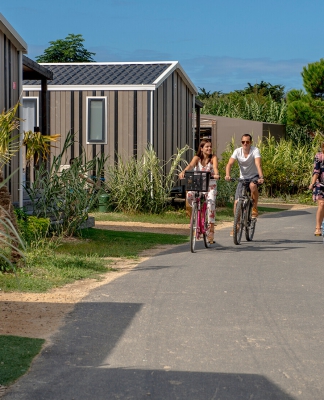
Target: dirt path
(39, 315)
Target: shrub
(65, 196)
(33, 228)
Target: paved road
(231, 322)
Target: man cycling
(249, 160)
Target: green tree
(313, 77)
(307, 109)
(265, 89)
(70, 49)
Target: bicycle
(198, 182)
(243, 213)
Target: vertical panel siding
(9, 96)
(172, 117)
(168, 111)
(142, 122)
(110, 146)
(72, 122)
(76, 123)
(2, 72)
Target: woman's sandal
(318, 232)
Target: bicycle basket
(197, 181)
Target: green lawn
(16, 354)
(224, 214)
(49, 266)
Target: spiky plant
(38, 145)
(9, 144)
(142, 185)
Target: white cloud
(230, 73)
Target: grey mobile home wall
(9, 96)
(173, 106)
(128, 120)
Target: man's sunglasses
(245, 142)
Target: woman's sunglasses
(245, 142)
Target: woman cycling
(205, 160)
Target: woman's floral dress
(318, 169)
(210, 196)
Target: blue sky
(222, 45)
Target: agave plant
(38, 145)
(66, 196)
(9, 144)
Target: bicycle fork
(198, 227)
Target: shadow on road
(76, 366)
(290, 213)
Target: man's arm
(259, 168)
(229, 165)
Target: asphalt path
(229, 322)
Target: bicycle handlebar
(245, 180)
(211, 176)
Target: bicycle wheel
(205, 225)
(193, 228)
(250, 223)
(252, 229)
(238, 223)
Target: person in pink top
(205, 160)
(315, 186)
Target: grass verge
(49, 266)
(16, 355)
(223, 214)
(118, 244)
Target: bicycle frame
(200, 215)
(243, 214)
(197, 182)
(198, 223)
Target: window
(30, 115)
(96, 120)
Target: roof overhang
(12, 35)
(198, 103)
(56, 88)
(175, 65)
(32, 70)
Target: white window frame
(37, 108)
(88, 99)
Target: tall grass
(287, 166)
(249, 107)
(141, 185)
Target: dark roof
(104, 73)
(32, 70)
(198, 103)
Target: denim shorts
(240, 187)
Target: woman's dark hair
(201, 145)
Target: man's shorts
(240, 187)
